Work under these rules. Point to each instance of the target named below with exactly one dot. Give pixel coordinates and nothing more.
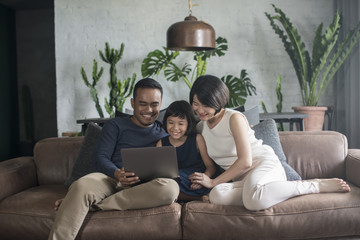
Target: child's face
(176, 126)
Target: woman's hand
(202, 179)
(126, 178)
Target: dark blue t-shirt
(122, 133)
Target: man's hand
(126, 178)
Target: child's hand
(195, 186)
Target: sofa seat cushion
(30, 215)
(304, 217)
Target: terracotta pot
(315, 120)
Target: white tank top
(221, 145)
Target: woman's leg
(266, 186)
(228, 194)
(83, 193)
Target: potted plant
(314, 74)
(157, 61)
(119, 90)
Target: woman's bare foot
(205, 198)
(57, 204)
(332, 185)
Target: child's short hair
(183, 110)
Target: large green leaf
(338, 58)
(156, 61)
(239, 89)
(174, 73)
(220, 49)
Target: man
(111, 187)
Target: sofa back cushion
(83, 163)
(315, 154)
(55, 157)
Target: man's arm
(104, 150)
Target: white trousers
(263, 187)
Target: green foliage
(239, 88)
(93, 92)
(120, 90)
(314, 74)
(278, 94)
(280, 100)
(157, 61)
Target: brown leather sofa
(29, 187)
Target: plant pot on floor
(315, 119)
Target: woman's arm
(209, 164)
(239, 129)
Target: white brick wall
(83, 26)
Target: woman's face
(204, 112)
(176, 127)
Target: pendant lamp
(190, 35)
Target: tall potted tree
(314, 74)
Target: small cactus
(93, 92)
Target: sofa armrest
(16, 175)
(352, 164)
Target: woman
(259, 180)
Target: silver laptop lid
(151, 162)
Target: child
(179, 122)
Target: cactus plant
(93, 92)
(120, 90)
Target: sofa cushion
(316, 154)
(83, 165)
(30, 215)
(55, 157)
(311, 216)
(268, 133)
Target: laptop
(151, 162)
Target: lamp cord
(190, 11)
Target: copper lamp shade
(190, 35)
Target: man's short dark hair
(183, 110)
(147, 83)
(210, 91)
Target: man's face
(146, 105)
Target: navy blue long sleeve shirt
(121, 133)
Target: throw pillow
(83, 165)
(267, 131)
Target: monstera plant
(328, 54)
(165, 60)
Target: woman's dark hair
(210, 91)
(183, 110)
(147, 83)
